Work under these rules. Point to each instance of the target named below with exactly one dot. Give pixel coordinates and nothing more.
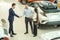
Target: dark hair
(13, 4)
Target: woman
(35, 20)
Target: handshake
(20, 16)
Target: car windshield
(33, 4)
(47, 9)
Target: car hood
(53, 16)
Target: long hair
(36, 11)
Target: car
(52, 13)
(4, 35)
(47, 5)
(51, 19)
(53, 35)
(44, 4)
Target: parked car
(47, 5)
(51, 19)
(52, 13)
(53, 35)
(4, 35)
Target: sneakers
(11, 36)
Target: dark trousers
(26, 22)
(35, 28)
(11, 27)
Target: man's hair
(13, 4)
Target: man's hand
(20, 16)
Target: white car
(4, 35)
(53, 35)
(52, 13)
(52, 16)
(47, 5)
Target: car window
(32, 4)
(48, 9)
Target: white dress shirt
(28, 12)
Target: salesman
(11, 19)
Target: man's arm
(16, 15)
(13, 13)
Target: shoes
(32, 32)
(26, 33)
(14, 34)
(11, 36)
(34, 35)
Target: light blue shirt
(28, 12)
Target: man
(28, 17)
(11, 19)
